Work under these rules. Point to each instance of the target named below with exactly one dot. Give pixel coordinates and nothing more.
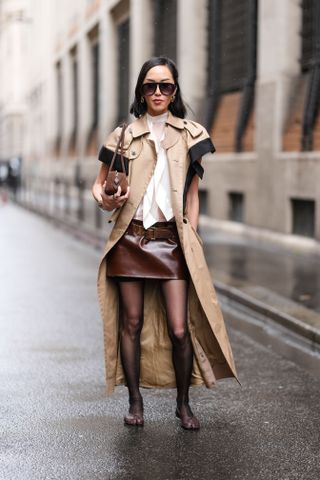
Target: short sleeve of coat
(108, 148)
(199, 143)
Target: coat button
(133, 153)
(185, 122)
(185, 220)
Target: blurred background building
(249, 70)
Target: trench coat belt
(166, 231)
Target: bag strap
(119, 144)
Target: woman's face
(158, 102)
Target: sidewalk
(279, 279)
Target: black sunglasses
(165, 88)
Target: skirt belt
(165, 230)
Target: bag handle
(120, 143)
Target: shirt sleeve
(107, 150)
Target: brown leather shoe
(187, 422)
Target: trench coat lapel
(171, 137)
(139, 127)
(173, 131)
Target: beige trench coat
(185, 142)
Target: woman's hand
(110, 202)
(107, 202)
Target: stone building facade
(249, 70)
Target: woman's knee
(178, 334)
(132, 323)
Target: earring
(142, 100)
(173, 99)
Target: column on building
(278, 66)
(191, 52)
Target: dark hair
(177, 107)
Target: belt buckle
(152, 232)
(136, 229)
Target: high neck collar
(158, 118)
(140, 126)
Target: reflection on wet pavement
(294, 276)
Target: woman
(162, 323)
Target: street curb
(294, 324)
(273, 336)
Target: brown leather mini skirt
(148, 253)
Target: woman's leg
(131, 296)
(175, 294)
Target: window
(123, 70)
(232, 38)
(306, 35)
(303, 217)
(236, 206)
(310, 63)
(165, 28)
(233, 45)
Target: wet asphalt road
(57, 423)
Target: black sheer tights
(175, 294)
(131, 294)
(175, 299)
